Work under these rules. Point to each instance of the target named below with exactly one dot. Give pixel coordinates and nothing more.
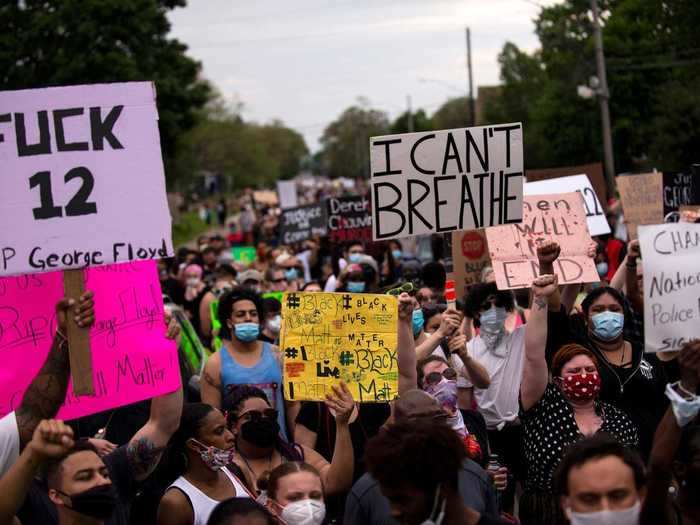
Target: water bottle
(493, 467)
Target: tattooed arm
(535, 375)
(47, 391)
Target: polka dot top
(549, 427)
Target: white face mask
(304, 512)
(628, 516)
(274, 324)
(192, 281)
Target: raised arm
(547, 253)
(634, 294)
(50, 439)
(451, 322)
(337, 476)
(405, 350)
(205, 313)
(210, 382)
(47, 391)
(656, 508)
(474, 371)
(146, 447)
(535, 375)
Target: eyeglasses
(433, 378)
(280, 280)
(257, 415)
(404, 288)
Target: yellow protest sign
(329, 337)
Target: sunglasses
(280, 280)
(433, 378)
(404, 288)
(258, 415)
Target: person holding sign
(627, 374)
(573, 395)
(244, 359)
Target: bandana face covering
(492, 326)
(580, 387)
(214, 457)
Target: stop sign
(473, 245)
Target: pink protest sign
(132, 359)
(560, 218)
(82, 178)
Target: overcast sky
(305, 61)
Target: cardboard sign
(448, 259)
(328, 337)
(245, 255)
(302, 223)
(444, 181)
(671, 285)
(595, 214)
(131, 358)
(560, 218)
(287, 191)
(641, 200)
(349, 219)
(470, 253)
(593, 171)
(82, 178)
(680, 189)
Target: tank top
(266, 375)
(203, 505)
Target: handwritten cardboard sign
(443, 181)
(671, 285)
(593, 171)
(287, 191)
(595, 214)
(349, 219)
(302, 223)
(327, 338)
(131, 358)
(560, 218)
(641, 200)
(82, 178)
(470, 255)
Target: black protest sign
(446, 181)
(680, 189)
(349, 219)
(302, 223)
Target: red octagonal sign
(473, 245)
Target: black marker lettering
(40, 148)
(413, 204)
(389, 208)
(451, 155)
(483, 159)
(386, 144)
(438, 203)
(413, 155)
(102, 129)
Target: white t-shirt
(9, 442)
(499, 402)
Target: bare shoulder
(175, 508)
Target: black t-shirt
(38, 509)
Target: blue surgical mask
(493, 320)
(602, 268)
(291, 274)
(418, 322)
(246, 332)
(354, 258)
(356, 286)
(396, 254)
(607, 326)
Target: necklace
(252, 472)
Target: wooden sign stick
(78, 337)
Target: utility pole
(603, 97)
(409, 114)
(470, 101)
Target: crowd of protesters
(544, 410)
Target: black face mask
(261, 432)
(98, 502)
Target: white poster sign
(595, 215)
(671, 284)
(443, 181)
(287, 191)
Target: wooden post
(78, 338)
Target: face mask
(192, 281)
(274, 324)
(606, 517)
(247, 332)
(602, 268)
(580, 387)
(446, 394)
(98, 502)
(356, 287)
(354, 258)
(304, 512)
(163, 275)
(685, 410)
(261, 432)
(214, 457)
(418, 322)
(291, 274)
(493, 320)
(396, 254)
(607, 326)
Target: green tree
(452, 114)
(285, 146)
(421, 122)
(345, 142)
(63, 42)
